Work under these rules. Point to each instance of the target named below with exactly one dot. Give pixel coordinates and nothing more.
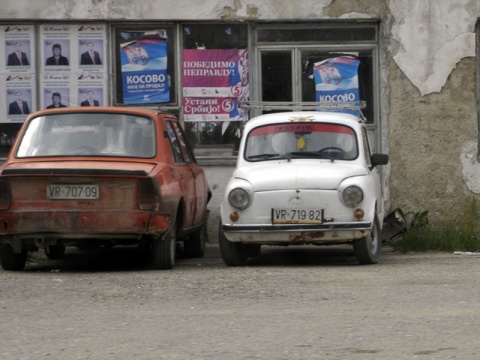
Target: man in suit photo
(19, 106)
(57, 58)
(90, 57)
(56, 101)
(17, 57)
(90, 100)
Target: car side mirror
(379, 159)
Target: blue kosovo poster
(336, 80)
(144, 71)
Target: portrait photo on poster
(91, 52)
(57, 52)
(17, 53)
(90, 96)
(19, 101)
(56, 98)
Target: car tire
(163, 249)
(233, 253)
(194, 245)
(11, 260)
(367, 250)
(55, 252)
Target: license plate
(297, 216)
(73, 192)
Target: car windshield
(88, 134)
(301, 140)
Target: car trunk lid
(75, 185)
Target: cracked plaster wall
(428, 104)
(433, 113)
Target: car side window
(183, 144)
(174, 144)
(366, 147)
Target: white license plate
(74, 192)
(297, 216)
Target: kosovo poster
(336, 80)
(144, 70)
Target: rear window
(88, 134)
(301, 140)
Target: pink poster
(214, 81)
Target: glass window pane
(316, 34)
(176, 150)
(365, 76)
(183, 144)
(304, 140)
(214, 36)
(276, 76)
(98, 134)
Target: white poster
(17, 72)
(73, 66)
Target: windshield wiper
(313, 154)
(263, 156)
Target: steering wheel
(334, 150)
(83, 150)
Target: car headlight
(239, 198)
(352, 195)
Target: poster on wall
(68, 90)
(17, 72)
(144, 68)
(91, 89)
(75, 47)
(214, 81)
(73, 69)
(19, 94)
(336, 80)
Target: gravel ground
(292, 303)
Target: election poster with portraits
(214, 82)
(73, 69)
(17, 73)
(144, 60)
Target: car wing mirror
(379, 159)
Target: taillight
(5, 196)
(146, 195)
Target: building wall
(429, 136)
(428, 77)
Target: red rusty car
(99, 177)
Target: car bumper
(297, 233)
(74, 224)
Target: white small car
(303, 178)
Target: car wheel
(11, 260)
(55, 252)
(194, 245)
(233, 254)
(163, 249)
(367, 250)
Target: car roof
(305, 116)
(100, 109)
